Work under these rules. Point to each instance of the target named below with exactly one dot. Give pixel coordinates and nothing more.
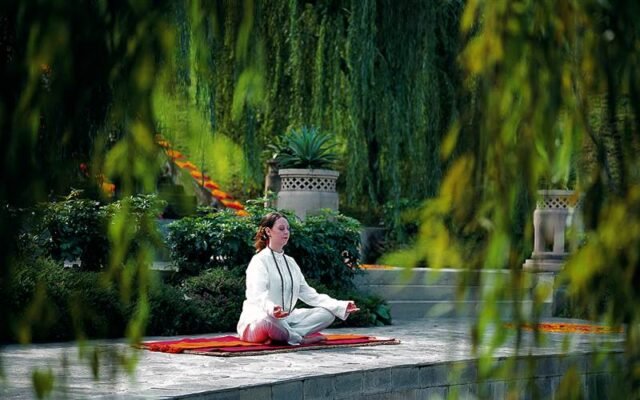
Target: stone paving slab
(331, 373)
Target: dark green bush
(217, 295)
(402, 221)
(77, 228)
(52, 303)
(49, 303)
(374, 311)
(216, 240)
(141, 213)
(171, 313)
(324, 245)
(56, 303)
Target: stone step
(430, 276)
(164, 269)
(428, 293)
(431, 292)
(424, 292)
(426, 309)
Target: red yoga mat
(231, 345)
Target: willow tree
(77, 83)
(554, 89)
(402, 95)
(380, 75)
(78, 87)
(385, 83)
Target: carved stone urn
(554, 213)
(307, 190)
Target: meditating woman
(274, 285)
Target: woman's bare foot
(313, 339)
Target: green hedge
(218, 295)
(212, 250)
(218, 239)
(77, 228)
(207, 303)
(51, 303)
(325, 245)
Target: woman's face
(278, 234)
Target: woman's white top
(266, 289)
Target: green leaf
(43, 380)
(383, 312)
(307, 148)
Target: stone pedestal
(307, 190)
(271, 182)
(554, 213)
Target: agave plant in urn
(307, 183)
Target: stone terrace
(421, 367)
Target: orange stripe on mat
(222, 342)
(567, 327)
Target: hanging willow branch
(379, 74)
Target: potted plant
(304, 160)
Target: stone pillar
(271, 181)
(554, 213)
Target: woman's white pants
(291, 329)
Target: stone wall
(440, 380)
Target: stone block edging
(431, 379)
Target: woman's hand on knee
(278, 312)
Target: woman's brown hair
(261, 239)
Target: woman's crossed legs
(293, 329)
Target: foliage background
(387, 94)
(554, 90)
(478, 103)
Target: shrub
(374, 311)
(53, 303)
(77, 228)
(170, 313)
(324, 245)
(95, 306)
(216, 240)
(218, 296)
(140, 213)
